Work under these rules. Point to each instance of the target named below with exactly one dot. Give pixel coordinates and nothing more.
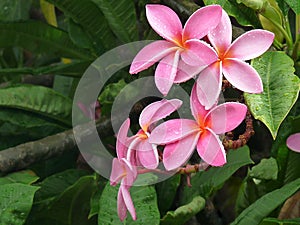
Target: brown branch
(24, 155)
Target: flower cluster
(182, 56)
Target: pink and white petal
(226, 117)
(201, 22)
(121, 206)
(186, 72)
(173, 130)
(151, 54)
(241, 75)
(178, 153)
(131, 173)
(210, 148)
(166, 71)
(121, 145)
(198, 110)
(128, 201)
(221, 36)
(209, 84)
(198, 53)
(293, 142)
(157, 111)
(149, 159)
(117, 172)
(250, 45)
(164, 21)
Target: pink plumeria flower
(137, 148)
(123, 172)
(93, 111)
(181, 50)
(181, 136)
(231, 57)
(293, 142)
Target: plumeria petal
(166, 71)
(151, 54)
(122, 209)
(178, 153)
(117, 172)
(250, 44)
(127, 201)
(131, 173)
(220, 37)
(164, 21)
(173, 130)
(201, 22)
(186, 72)
(121, 145)
(209, 84)
(157, 111)
(226, 117)
(198, 110)
(210, 148)
(293, 142)
(149, 159)
(198, 53)
(241, 75)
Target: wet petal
(166, 71)
(186, 72)
(176, 154)
(127, 201)
(226, 117)
(250, 44)
(241, 75)
(209, 84)
(117, 172)
(121, 145)
(210, 149)
(198, 53)
(164, 21)
(157, 111)
(149, 159)
(293, 142)
(173, 130)
(220, 37)
(201, 22)
(198, 110)
(122, 209)
(151, 54)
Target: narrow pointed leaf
(260, 209)
(14, 10)
(279, 82)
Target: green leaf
(277, 74)
(267, 169)
(184, 213)
(244, 15)
(275, 221)
(144, 200)
(39, 100)
(71, 207)
(24, 177)
(73, 69)
(121, 18)
(260, 209)
(15, 203)
(204, 183)
(294, 4)
(14, 10)
(166, 192)
(91, 20)
(40, 38)
(78, 36)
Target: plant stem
(297, 38)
